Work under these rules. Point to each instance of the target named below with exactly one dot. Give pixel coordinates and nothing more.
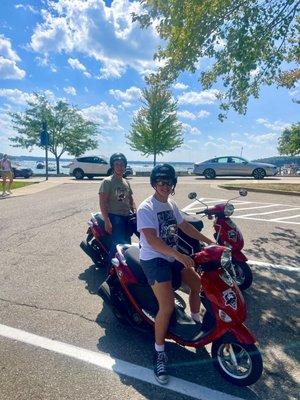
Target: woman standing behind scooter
(160, 260)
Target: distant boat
(40, 165)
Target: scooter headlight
(226, 257)
(228, 209)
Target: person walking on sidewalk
(6, 174)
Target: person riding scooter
(160, 260)
(116, 203)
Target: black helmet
(164, 171)
(117, 157)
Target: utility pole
(241, 151)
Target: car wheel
(259, 173)
(209, 173)
(78, 173)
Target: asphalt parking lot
(47, 285)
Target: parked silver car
(234, 166)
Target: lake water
(137, 166)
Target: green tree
(289, 141)
(68, 130)
(248, 42)
(155, 129)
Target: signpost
(44, 138)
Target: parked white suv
(92, 166)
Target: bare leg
(192, 279)
(4, 184)
(10, 183)
(165, 297)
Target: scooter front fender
(239, 256)
(243, 334)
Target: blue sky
(89, 53)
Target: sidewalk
(38, 185)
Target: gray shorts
(160, 270)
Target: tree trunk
(154, 161)
(57, 164)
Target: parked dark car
(22, 172)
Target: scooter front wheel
(243, 274)
(240, 364)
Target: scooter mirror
(192, 195)
(243, 192)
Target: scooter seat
(132, 257)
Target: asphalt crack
(15, 303)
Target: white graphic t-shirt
(161, 217)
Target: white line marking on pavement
(291, 216)
(113, 364)
(254, 208)
(264, 220)
(272, 212)
(276, 266)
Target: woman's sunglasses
(164, 183)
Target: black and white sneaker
(160, 367)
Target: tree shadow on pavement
(272, 316)
(271, 248)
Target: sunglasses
(164, 183)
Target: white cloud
(104, 115)
(263, 139)
(129, 95)
(180, 86)
(193, 116)
(16, 96)
(70, 90)
(192, 130)
(45, 62)
(105, 33)
(27, 7)
(193, 141)
(8, 61)
(275, 126)
(197, 98)
(76, 64)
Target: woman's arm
(191, 231)
(103, 203)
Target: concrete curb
(260, 190)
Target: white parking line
(291, 216)
(265, 220)
(276, 266)
(113, 364)
(271, 212)
(254, 208)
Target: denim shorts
(160, 270)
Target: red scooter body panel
(229, 233)
(224, 297)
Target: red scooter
(233, 349)
(98, 241)
(228, 234)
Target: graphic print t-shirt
(163, 217)
(118, 191)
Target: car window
(101, 161)
(85, 159)
(222, 160)
(213, 160)
(238, 160)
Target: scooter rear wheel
(240, 364)
(243, 273)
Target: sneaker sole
(162, 382)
